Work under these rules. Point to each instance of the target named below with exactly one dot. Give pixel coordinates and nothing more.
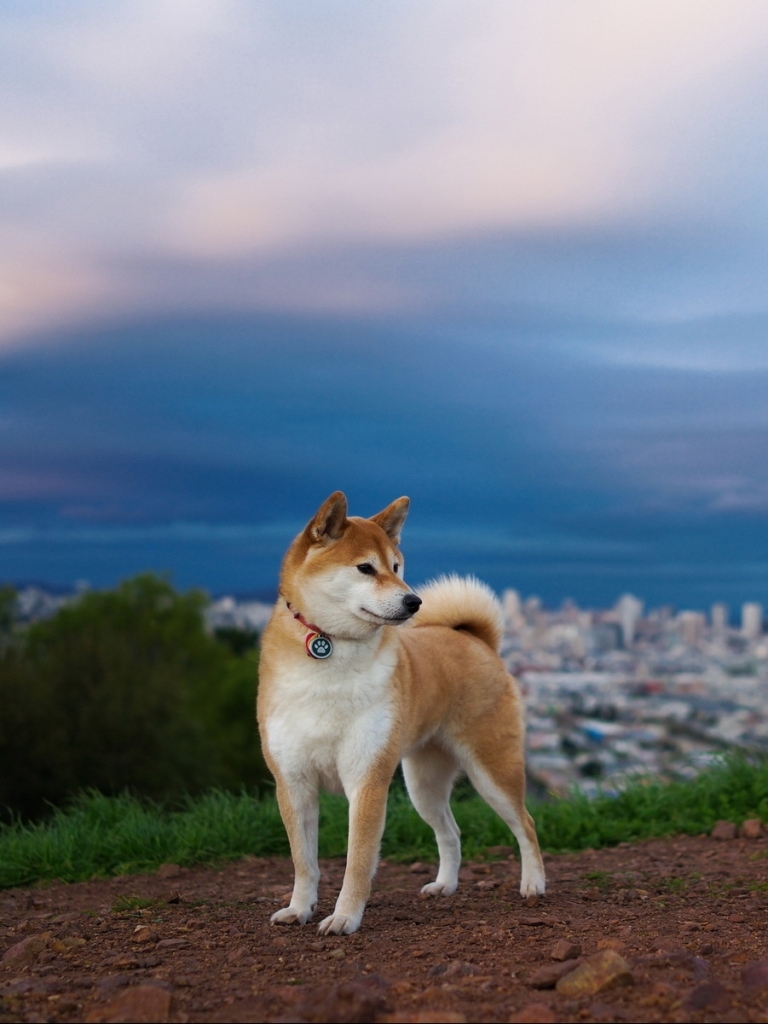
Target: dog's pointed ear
(330, 520)
(391, 519)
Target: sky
(508, 259)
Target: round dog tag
(318, 646)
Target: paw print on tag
(318, 646)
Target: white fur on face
(344, 602)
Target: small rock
(168, 871)
(711, 995)
(549, 975)
(662, 994)
(337, 954)
(113, 981)
(597, 974)
(427, 1017)
(751, 828)
(534, 1013)
(755, 975)
(144, 1004)
(173, 897)
(459, 969)
(724, 830)
(488, 883)
(27, 949)
(532, 900)
(593, 895)
(564, 949)
(417, 868)
(179, 943)
(350, 1002)
(618, 944)
(143, 933)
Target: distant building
(752, 620)
(691, 626)
(719, 616)
(628, 611)
(513, 611)
(532, 610)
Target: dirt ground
(671, 930)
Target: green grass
(99, 836)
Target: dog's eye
(366, 569)
(395, 568)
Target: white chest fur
(330, 719)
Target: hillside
(682, 921)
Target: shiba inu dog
(351, 684)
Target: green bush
(124, 690)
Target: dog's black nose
(412, 603)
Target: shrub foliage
(124, 690)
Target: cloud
(211, 136)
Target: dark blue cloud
(201, 445)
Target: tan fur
(463, 603)
(431, 692)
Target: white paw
(291, 915)
(439, 888)
(533, 884)
(339, 924)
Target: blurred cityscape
(624, 692)
(610, 694)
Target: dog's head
(345, 574)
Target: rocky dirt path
(673, 930)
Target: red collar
(317, 644)
(303, 621)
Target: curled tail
(462, 602)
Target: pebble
(534, 1013)
(724, 830)
(346, 1003)
(27, 949)
(711, 995)
(113, 981)
(755, 975)
(564, 949)
(428, 1017)
(460, 969)
(549, 975)
(168, 871)
(142, 1004)
(596, 974)
(417, 868)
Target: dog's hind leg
(429, 776)
(299, 809)
(500, 781)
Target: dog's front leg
(298, 804)
(367, 811)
